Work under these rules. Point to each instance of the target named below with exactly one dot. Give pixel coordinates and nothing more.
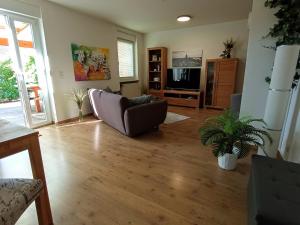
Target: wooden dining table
(14, 139)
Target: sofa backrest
(112, 108)
(95, 98)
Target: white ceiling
(154, 15)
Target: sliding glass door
(23, 40)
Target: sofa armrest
(141, 118)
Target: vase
(80, 115)
(227, 161)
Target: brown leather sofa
(116, 111)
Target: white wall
(259, 61)
(259, 65)
(63, 26)
(210, 38)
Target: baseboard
(72, 119)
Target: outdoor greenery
(30, 70)
(227, 131)
(8, 82)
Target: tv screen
(184, 78)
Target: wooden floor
(98, 176)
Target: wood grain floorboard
(97, 176)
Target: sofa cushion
(275, 191)
(15, 196)
(144, 99)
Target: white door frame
(40, 65)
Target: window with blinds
(126, 59)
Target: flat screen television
(183, 78)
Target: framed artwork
(187, 59)
(90, 63)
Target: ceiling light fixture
(184, 18)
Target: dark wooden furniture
(157, 78)
(14, 139)
(157, 68)
(220, 82)
(180, 97)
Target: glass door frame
(18, 67)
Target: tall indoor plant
(286, 31)
(285, 73)
(232, 138)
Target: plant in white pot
(232, 138)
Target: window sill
(129, 81)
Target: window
(126, 57)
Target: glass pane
(126, 58)
(28, 56)
(10, 104)
(210, 83)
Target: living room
(146, 153)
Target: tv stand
(180, 97)
(157, 82)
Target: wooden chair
(15, 197)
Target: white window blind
(126, 58)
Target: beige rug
(174, 117)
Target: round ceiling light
(184, 18)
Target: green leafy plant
(287, 29)
(30, 70)
(228, 44)
(8, 82)
(227, 131)
(78, 96)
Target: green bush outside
(8, 82)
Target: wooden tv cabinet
(180, 97)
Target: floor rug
(174, 117)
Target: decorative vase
(80, 116)
(227, 161)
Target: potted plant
(286, 31)
(232, 138)
(228, 44)
(78, 96)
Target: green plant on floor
(78, 96)
(8, 82)
(226, 131)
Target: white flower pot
(227, 161)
